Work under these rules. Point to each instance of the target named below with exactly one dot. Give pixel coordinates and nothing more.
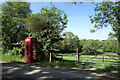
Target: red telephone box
(30, 49)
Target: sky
(78, 19)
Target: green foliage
(110, 68)
(47, 26)
(107, 13)
(10, 57)
(68, 40)
(36, 23)
(109, 45)
(106, 49)
(91, 46)
(13, 16)
(18, 51)
(69, 43)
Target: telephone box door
(30, 49)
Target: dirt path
(15, 71)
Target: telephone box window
(27, 50)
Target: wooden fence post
(50, 58)
(77, 56)
(62, 57)
(103, 60)
(119, 65)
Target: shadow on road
(16, 71)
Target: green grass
(97, 63)
(12, 58)
(70, 61)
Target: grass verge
(12, 58)
(69, 62)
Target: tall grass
(12, 57)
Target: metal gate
(100, 60)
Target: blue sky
(78, 16)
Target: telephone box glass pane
(27, 50)
(33, 50)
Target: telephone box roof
(28, 38)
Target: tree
(71, 42)
(108, 13)
(13, 23)
(91, 46)
(76, 43)
(47, 26)
(68, 37)
(109, 45)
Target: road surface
(15, 71)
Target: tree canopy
(107, 13)
(47, 26)
(13, 23)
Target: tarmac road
(15, 71)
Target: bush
(18, 51)
(114, 49)
(89, 53)
(109, 49)
(106, 49)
